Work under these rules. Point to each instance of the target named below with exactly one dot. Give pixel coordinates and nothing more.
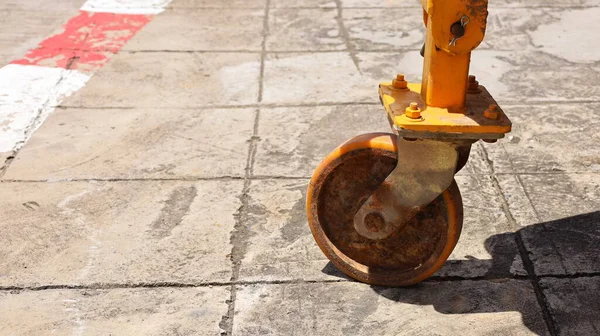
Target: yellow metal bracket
(470, 119)
(448, 102)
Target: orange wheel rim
(377, 143)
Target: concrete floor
(166, 197)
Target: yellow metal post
(444, 76)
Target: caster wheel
(342, 182)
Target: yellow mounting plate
(469, 119)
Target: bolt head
(413, 111)
(492, 112)
(400, 83)
(473, 84)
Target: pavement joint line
(238, 106)
(278, 51)
(240, 178)
(163, 284)
(239, 235)
(548, 102)
(534, 279)
(345, 35)
(523, 252)
(275, 51)
(263, 51)
(175, 284)
(154, 179)
(316, 104)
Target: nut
(400, 83)
(473, 85)
(413, 111)
(492, 112)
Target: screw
(473, 86)
(492, 112)
(400, 83)
(413, 111)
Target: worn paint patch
(32, 86)
(175, 208)
(126, 6)
(28, 94)
(86, 39)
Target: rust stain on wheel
(343, 181)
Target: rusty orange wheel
(342, 182)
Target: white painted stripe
(28, 94)
(146, 7)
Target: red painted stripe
(87, 41)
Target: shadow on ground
(567, 247)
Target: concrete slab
(509, 76)
(143, 311)
(566, 240)
(185, 80)
(574, 304)
(565, 246)
(487, 246)
(517, 200)
(294, 140)
(403, 28)
(558, 196)
(436, 308)
(544, 29)
(171, 143)
(385, 29)
(381, 65)
(205, 29)
(333, 77)
(279, 246)
(340, 123)
(278, 243)
(22, 28)
(517, 77)
(550, 138)
(304, 30)
(127, 233)
(555, 36)
(478, 160)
